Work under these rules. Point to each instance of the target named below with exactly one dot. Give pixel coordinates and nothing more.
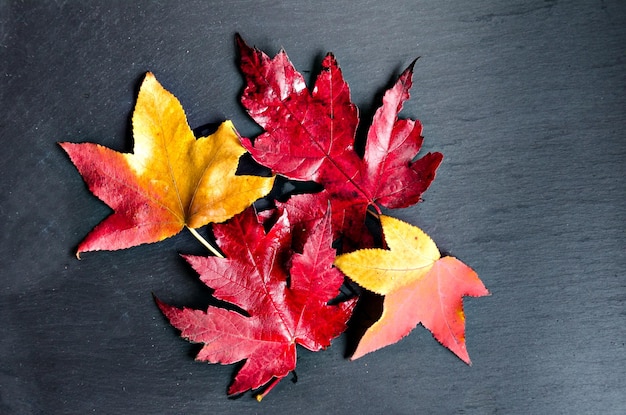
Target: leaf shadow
(206, 130)
(368, 310)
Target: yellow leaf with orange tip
(171, 180)
(410, 256)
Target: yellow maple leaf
(171, 180)
(410, 256)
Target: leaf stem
(373, 213)
(205, 242)
(259, 397)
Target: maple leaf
(284, 294)
(310, 136)
(171, 179)
(418, 285)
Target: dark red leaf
(310, 136)
(285, 295)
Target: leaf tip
(82, 248)
(464, 356)
(156, 300)
(149, 77)
(239, 40)
(166, 309)
(241, 44)
(355, 357)
(67, 147)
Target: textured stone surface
(526, 99)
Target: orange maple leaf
(418, 285)
(171, 180)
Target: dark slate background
(526, 99)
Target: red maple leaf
(284, 294)
(310, 136)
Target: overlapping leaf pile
(278, 269)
